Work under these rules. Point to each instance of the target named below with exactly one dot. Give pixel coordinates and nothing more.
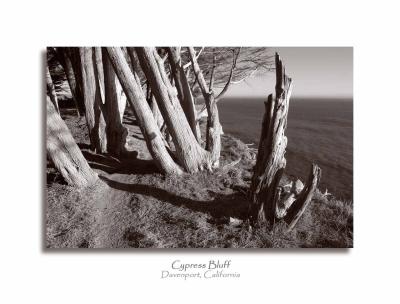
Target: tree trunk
(204, 112)
(99, 71)
(190, 154)
(64, 57)
(137, 99)
(214, 129)
(116, 132)
(51, 89)
(135, 66)
(64, 152)
(75, 57)
(270, 159)
(300, 204)
(121, 98)
(93, 102)
(182, 86)
(156, 111)
(271, 162)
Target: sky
(315, 71)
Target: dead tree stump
(295, 211)
(266, 205)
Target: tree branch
(198, 73)
(298, 207)
(226, 87)
(201, 113)
(211, 87)
(244, 78)
(197, 57)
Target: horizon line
(293, 97)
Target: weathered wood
(64, 152)
(99, 71)
(51, 89)
(211, 101)
(156, 111)
(122, 100)
(116, 132)
(190, 154)
(268, 201)
(284, 204)
(203, 111)
(300, 204)
(93, 102)
(271, 150)
(137, 99)
(63, 57)
(214, 129)
(183, 88)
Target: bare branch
(198, 73)
(212, 77)
(244, 78)
(197, 57)
(226, 87)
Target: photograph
(198, 147)
(191, 152)
(199, 152)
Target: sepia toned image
(199, 147)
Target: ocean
(319, 131)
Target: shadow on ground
(128, 164)
(220, 207)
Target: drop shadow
(43, 151)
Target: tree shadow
(137, 136)
(129, 120)
(53, 175)
(221, 207)
(126, 164)
(83, 146)
(129, 117)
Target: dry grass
(134, 206)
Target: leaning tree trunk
(266, 204)
(75, 58)
(99, 71)
(151, 132)
(51, 89)
(190, 154)
(93, 101)
(156, 111)
(64, 55)
(116, 132)
(65, 153)
(183, 88)
(135, 66)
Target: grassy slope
(135, 206)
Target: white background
(369, 272)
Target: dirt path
(116, 210)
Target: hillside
(135, 206)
